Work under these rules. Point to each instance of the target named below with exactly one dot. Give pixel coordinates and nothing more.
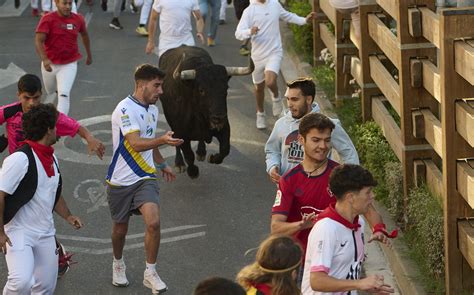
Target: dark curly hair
(218, 286)
(29, 83)
(147, 72)
(350, 178)
(38, 120)
(314, 120)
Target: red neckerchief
(45, 155)
(264, 288)
(330, 212)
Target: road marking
(249, 142)
(129, 237)
(10, 75)
(8, 8)
(88, 18)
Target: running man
(132, 186)
(30, 188)
(175, 24)
(56, 44)
(260, 22)
(335, 252)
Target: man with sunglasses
(283, 151)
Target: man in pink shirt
(56, 44)
(29, 95)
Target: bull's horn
(188, 74)
(178, 67)
(241, 71)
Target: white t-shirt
(266, 17)
(344, 4)
(175, 23)
(128, 166)
(36, 215)
(336, 250)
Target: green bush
(394, 179)
(325, 78)
(425, 233)
(303, 34)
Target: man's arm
(140, 144)
(199, 25)
(166, 171)
(93, 144)
(343, 144)
(273, 155)
(150, 46)
(322, 282)
(279, 224)
(87, 46)
(40, 38)
(62, 210)
(3, 237)
(374, 218)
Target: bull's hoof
(215, 159)
(180, 168)
(200, 158)
(193, 171)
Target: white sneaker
(261, 120)
(152, 280)
(277, 107)
(119, 278)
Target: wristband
(380, 227)
(162, 165)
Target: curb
(398, 270)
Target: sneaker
(141, 31)
(103, 5)
(133, 7)
(115, 24)
(119, 278)
(222, 22)
(17, 4)
(211, 42)
(64, 259)
(244, 50)
(35, 12)
(261, 120)
(152, 280)
(277, 107)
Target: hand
(95, 146)
(150, 47)
(254, 30)
(380, 237)
(310, 17)
(4, 239)
(200, 37)
(47, 65)
(385, 289)
(374, 283)
(274, 174)
(307, 221)
(168, 174)
(88, 60)
(74, 221)
(170, 140)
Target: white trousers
(32, 264)
(223, 8)
(60, 80)
(145, 11)
(46, 5)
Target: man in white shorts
(132, 187)
(30, 189)
(175, 24)
(260, 22)
(335, 249)
(144, 15)
(349, 7)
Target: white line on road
(134, 236)
(133, 246)
(8, 8)
(88, 18)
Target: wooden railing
(425, 73)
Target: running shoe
(103, 5)
(17, 4)
(152, 280)
(277, 107)
(222, 22)
(115, 24)
(141, 30)
(261, 120)
(35, 12)
(211, 42)
(64, 259)
(133, 7)
(244, 50)
(119, 278)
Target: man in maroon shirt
(56, 44)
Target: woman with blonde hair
(275, 268)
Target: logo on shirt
(70, 26)
(143, 118)
(277, 199)
(331, 194)
(125, 121)
(153, 116)
(295, 151)
(343, 244)
(123, 110)
(354, 271)
(149, 131)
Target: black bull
(195, 103)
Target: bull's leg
(193, 170)
(179, 165)
(201, 151)
(223, 136)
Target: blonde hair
(277, 257)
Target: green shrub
(325, 78)
(303, 34)
(394, 179)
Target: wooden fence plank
(328, 10)
(464, 60)
(465, 180)
(433, 131)
(431, 79)
(328, 38)
(388, 125)
(465, 121)
(466, 240)
(385, 82)
(434, 179)
(390, 6)
(384, 39)
(430, 25)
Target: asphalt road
(207, 223)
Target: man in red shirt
(56, 44)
